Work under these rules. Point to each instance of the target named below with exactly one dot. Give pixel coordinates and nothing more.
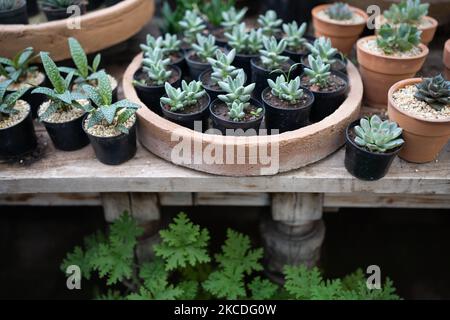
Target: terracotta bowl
(447, 59)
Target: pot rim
(24, 118)
(187, 114)
(188, 55)
(446, 54)
(339, 74)
(422, 55)
(401, 84)
(311, 95)
(356, 10)
(434, 22)
(113, 137)
(176, 68)
(252, 101)
(182, 57)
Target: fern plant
(271, 54)
(286, 90)
(407, 11)
(8, 101)
(156, 66)
(221, 66)
(293, 34)
(398, 39)
(17, 68)
(232, 17)
(339, 11)
(319, 72)
(205, 47)
(192, 25)
(269, 23)
(322, 48)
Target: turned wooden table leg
(295, 233)
(142, 206)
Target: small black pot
(114, 150)
(242, 61)
(195, 67)
(35, 99)
(109, 3)
(188, 119)
(67, 136)
(182, 65)
(298, 56)
(59, 14)
(15, 16)
(363, 164)
(32, 7)
(19, 139)
(94, 4)
(223, 125)
(340, 66)
(150, 96)
(285, 119)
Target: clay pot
(343, 36)
(380, 72)
(424, 139)
(447, 59)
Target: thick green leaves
(79, 57)
(53, 73)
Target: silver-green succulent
(191, 24)
(286, 90)
(235, 89)
(407, 11)
(176, 98)
(339, 11)
(232, 17)
(245, 42)
(318, 71)
(271, 54)
(293, 34)
(194, 91)
(322, 48)
(269, 23)
(6, 5)
(221, 66)
(205, 47)
(156, 66)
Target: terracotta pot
(447, 59)
(343, 36)
(424, 139)
(380, 72)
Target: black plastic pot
(181, 63)
(34, 99)
(150, 96)
(94, 4)
(363, 164)
(109, 3)
(260, 76)
(32, 7)
(114, 150)
(188, 119)
(223, 125)
(325, 103)
(58, 14)
(340, 66)
(19, 139)
(242, 61)
(298, 56)
(285, 119)
(195, 67)
(67, 136)
(15, 16)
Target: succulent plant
(192, 25)
(156, 66)
(294, 35)
(6, 5)
(254, 41)
(16, 68)
(271, 55)
(8, 102)
(205, 47)
(187, 95)
(232, 17)
(339, 11)
(322, 48)
(319, 71)
(407, 11)
(237, 112)
(59, 4)
(434, 91)
(221, 66)
(377, 135)
(398, 38)
(168, 44)
(151, 43)
(243, 41)
(103, 111)
(269, 23)
(286, 90)
(194, 91)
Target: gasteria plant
(322, 48)
(377, 135)
(17, 67)
(339, 11)
(205, 47)
(407, 11)
(156, 66)
(286, 90)
(8, 102)
(434, 91)
(319, 71)
(271, 55)
(221, 66)
(400, 38)
(269, 23)
(192, 25)
(232, 17)
(294, 35)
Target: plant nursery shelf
(100, 29)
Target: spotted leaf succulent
(286, 90)
(8, 101)
(6, 5)
(434, 91)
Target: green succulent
(243, 41)
(151, 43)
(407, 11)
(176, 98)
(232, 17)
(194, 91)
(398, 39)
(271, 55)
(59, 4)
(6, 5)
(339, 11)
(294, 35)
(192, 25)
(269, 23)
(168, 44)
(17, 68)
(156, 66)
(236, 111)
(319, 71)
(377, 135)
(434, 91)
(286, 90)
(205, 47)
(221, 66)
(254, 41)
(8, 102)
(235, 90)
(322, 48)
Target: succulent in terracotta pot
(13, 12)
(422, 108)
(340, 22)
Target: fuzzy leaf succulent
(191, 25)
(377, 135)
(156, 66)
(6, 5)
(322, 48)
(400, 38)
(318, 72)
(221, 66)
(339, 11)
(205, 47)
(271, 54)
(232, 17)
(269, 23)
(17, 67)
(8, 101)
(168, 44)
(194, 91)
(407, 11)
(434, 91)
(179, 98)
(286, 90)
(294, 35)
(245, 42)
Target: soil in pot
(111, 146)
(190, 114)
(286, 116)
(177, 59)
(149, 92)
(222, 121)
(425, 130)
(363, 163)
(219, 34)
(340, 65)
(196, 65)
(17, 133)
(15, 16)
(59, 14)
(65, 128)
(327, 99)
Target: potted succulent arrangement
(222, 68)
(197, 58)
(411, 12)
(23, 75)
(422, 108)
(17, 134)
(57, 9)
(296, 47)
(329, 87)
(13, 12)
(236, 109)
(287, 106)
(342, 23)
(111, 127)
(246, 44)
(191, 25)
(230, 18)
(83, 72)
(371, 146)
(270, 24)
(321, 47)
(62, 114)
(186, 105)
(150, 79)
(394, 54)
(446, 59)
